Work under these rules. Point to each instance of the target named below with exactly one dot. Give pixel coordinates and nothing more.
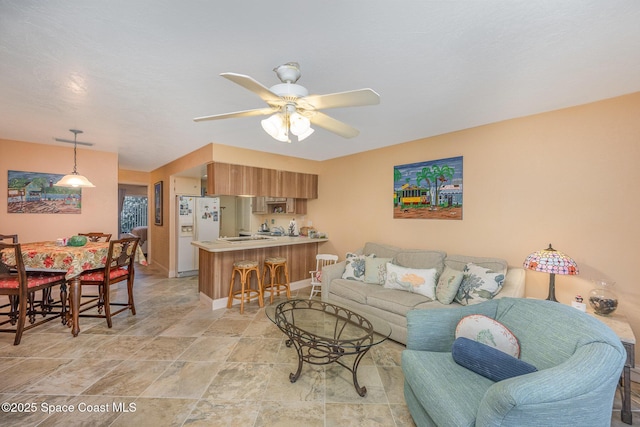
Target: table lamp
(553, 262)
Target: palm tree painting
(428, 190)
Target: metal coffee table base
(324, 353)
(324, 333)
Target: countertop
(222, 246)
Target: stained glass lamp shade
(553, 262)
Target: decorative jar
(602, 299)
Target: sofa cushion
(375, 270)
(415, 280)
(352, 290)
(488, 361)
(380, 250)
(448, 284)
(421, 259)
(479, 284)
(395, 301)
(488, 331)
(459, 262)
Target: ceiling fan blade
(351, 98)
(245, 113)
(255, 87)
(333, 125)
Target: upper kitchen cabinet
(234, 180)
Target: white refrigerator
(198, 220)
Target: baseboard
(635, 374)
(219, 303)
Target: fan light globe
(274, 126)
(299, 124)
(305, 134)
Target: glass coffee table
(323, 333)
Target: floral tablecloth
(72, 259)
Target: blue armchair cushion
(488, 361)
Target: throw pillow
(416, 280)
(479, 284)
(375, 270)
(354, 268)
(488, 361)
(448, 284)
(488, 331)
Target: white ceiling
(132, 74)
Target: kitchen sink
(246, 239)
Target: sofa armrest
(434, 330)
(329, 273)
(514, 285)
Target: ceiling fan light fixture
(299, 124)
(305, 134)
(275, 127)
(74, 179)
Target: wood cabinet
(259, 205)
(235, 180)
(268, 205)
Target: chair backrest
(96, 237)
(122, 253)
(11, 263)
(323, 260)
(12, 237)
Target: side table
(619, 324)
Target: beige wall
(133, 177)
(567, 177)
(99, 204)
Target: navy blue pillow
(488, 361)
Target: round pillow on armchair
(490, 332)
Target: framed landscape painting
(428, 190)
(34, 192)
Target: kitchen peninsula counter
(216, 260)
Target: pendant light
(74, 179)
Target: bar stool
(272, 264)
(244, 269)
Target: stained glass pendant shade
(553, 262)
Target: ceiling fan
(291, 107)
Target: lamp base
(552, 288)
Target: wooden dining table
(48, 256)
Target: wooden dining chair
(119, 267)
(96, 237)
(12, 237)
(18, 286)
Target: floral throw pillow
(355, 267)
(417, 280)
(479, 284)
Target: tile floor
(177, 363)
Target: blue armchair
(579, 361)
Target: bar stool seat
(272, 265)
(246, 293)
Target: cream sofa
(380, 304)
